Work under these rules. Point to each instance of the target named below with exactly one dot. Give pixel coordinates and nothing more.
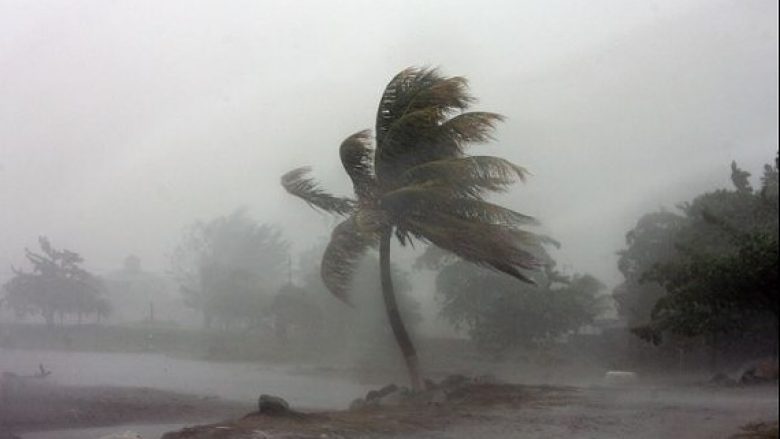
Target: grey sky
(121, 122)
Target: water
(232, 381)
(146, 431)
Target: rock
(396, 397)
(453, 381)
(272, 405)
(378, 394)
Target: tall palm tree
(418, 183)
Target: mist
(131, 129)
(152, 116)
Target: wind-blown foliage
(419, 180)
(717, 273)
(418, 183)
(57, 285)
(499, 313)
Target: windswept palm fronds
(418, 182)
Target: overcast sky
(121, 122)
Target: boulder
(272, 405)
(396, 397)
(378, 394)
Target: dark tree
(500, 313)
(721, 277)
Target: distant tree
(230, 268)
(500, 314)
(419, 183)
(338, 323)
(55, 286)
(294, 308)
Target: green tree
(500, 314)
(419, 184)
(721, 276)
(57, 285)
(653, 240)
(229, 268)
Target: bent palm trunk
(394, 315)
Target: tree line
(707, 273)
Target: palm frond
(347, 245)
(434, 258)
(411, 140)
(357, 156)
(471, 127)
(422, 136)
(298, 183)
(419, 200)
(415, 103)
(488, 245)
(416, 88)
(469, 176)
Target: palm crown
(419, 182)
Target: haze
(121, 122)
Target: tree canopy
(709, 269)
(499, 313)
(230, 267)
(56, 285)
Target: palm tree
(418, 183)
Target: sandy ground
(510, 411)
